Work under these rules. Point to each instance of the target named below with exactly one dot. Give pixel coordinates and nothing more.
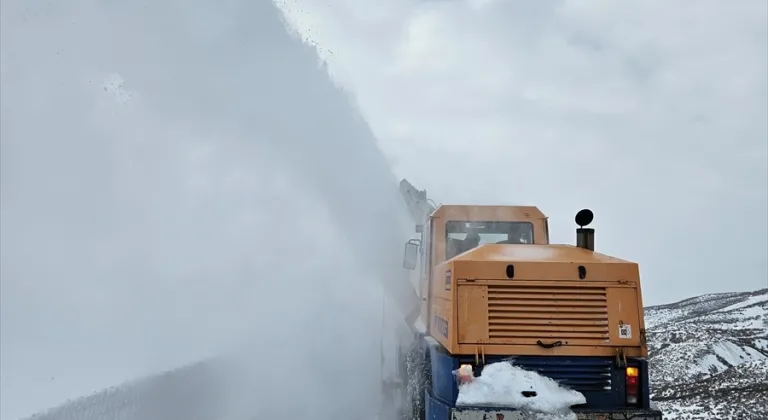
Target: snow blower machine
(564, 322)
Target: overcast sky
(652, 113)
(178, 177)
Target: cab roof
(488, 213)
(536, 253)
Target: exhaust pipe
(585, 237)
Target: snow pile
(504, 385)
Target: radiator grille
(524, 313)
(582, 374)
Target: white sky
(652, 113)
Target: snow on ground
(503, 385)
(709, 356)
(761, 344)
(734, 354)
(753, 318)
(754, 300)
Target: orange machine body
(531, 298)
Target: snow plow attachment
(501, 414)
(437, 410)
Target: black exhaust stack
(585, 237)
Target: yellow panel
(537, 253)
(624, 316)
(472, 313)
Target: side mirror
(411, 254)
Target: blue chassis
(569, 370)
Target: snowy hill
(709, 360)
(709, 356)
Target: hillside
(709, 359)
(709, 356)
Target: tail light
(632, 386)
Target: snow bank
(503, 385)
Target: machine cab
(454, 229)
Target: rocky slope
(709, 356)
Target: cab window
(461, 236)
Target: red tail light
(632, 386)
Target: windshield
(461, 236)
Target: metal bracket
(621, 357)
(479, 355)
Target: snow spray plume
(179, 178)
